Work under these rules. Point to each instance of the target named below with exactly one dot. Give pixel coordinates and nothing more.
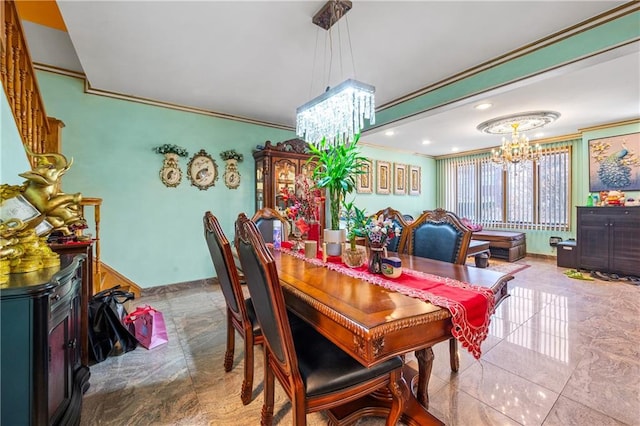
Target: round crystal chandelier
(517, 149)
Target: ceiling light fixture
(389, 133)
(340, 112)
(483, 106)
(517, 150)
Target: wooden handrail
(96, 203)
(20, 85)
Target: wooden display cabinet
(276, 168)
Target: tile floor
(561, 352)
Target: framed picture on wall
(364, 181)
(614, 163)
(399, 179)
(414, 180)
(383, 175)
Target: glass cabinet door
(284, 173)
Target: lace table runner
(471, 306)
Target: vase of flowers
(378, 232)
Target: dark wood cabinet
(609, 239)
(276, 168)
(85, 248)
(43, 377)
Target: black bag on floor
(108, 336)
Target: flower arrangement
(303, 204)
(231, 154)
(171, 149)
(379, 231)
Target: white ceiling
(255, 59)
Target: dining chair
(240, 312)
(264, 219)
(399, 222)
(314, 372)
(439, 234)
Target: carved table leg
(425, 365)
(454, 358)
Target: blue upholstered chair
(399, 222)
(438, 234)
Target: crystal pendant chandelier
(516, 150)
(339, 112)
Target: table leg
(454, 358)
(425, 365)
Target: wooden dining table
(373, 324)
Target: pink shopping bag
(150, 329)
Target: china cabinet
(276, 168)
(43, 377)
(609, 239)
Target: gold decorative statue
(46, 209)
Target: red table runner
(471, 306)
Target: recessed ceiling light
(539, 134)
(426, 142)
(389, 133)
(454, 149)
(483, 106)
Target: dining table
(372, 323)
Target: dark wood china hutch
(277, 166)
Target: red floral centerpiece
(303, 208)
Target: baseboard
(170, 288)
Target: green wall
(150, 233)
(407, 204)
(13, 159)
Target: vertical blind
(530, 195)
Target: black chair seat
(325, 368)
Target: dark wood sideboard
(609, 239)
(43, 376)
(85, 248)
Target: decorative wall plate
(231, 174)
(202, 170)
(170, 174)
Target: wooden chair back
(240, 310)
(264, 219)
(400, 223)
(438, 234)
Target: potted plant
(337, 166)
(354, 255)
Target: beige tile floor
(560, 352)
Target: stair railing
(19, 81)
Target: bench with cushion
(507, 245)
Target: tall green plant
(337, 167)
